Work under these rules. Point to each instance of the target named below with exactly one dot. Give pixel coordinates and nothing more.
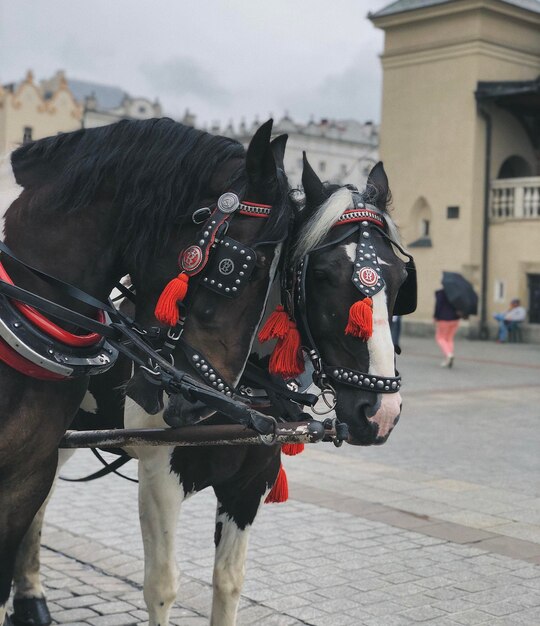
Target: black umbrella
(460, 292)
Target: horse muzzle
(373, 424)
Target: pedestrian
(514, 315)
(446, 320)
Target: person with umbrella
(446, 324)
(457, 299)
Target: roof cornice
(453, 8)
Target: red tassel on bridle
(286, 359)
(276, 326)
(175, 291)
(292, 449)
(360, 322)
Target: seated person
(515, 314)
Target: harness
(36, 347)
(221, 264)
(368, 279)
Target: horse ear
(313, 187)
(377, 190)
(260, 162)
(278, 149)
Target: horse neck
(78, 249)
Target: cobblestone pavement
(441, 525)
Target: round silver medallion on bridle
(226, 267)
(228, 202)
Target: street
(440, 525)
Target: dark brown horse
(101, 203)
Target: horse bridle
(221, 264)
(368, 279)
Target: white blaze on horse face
(9, 189)
(381, 355)
(381, 363)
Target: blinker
(229, 267)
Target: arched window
(421, 220)
(514, 167)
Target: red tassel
(286, 359)
(276, 326)
(292, 449)
(166, 310)
(360, 322)
(280, 490)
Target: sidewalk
(440, 525)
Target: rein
(122, 334)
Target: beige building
(28, 112)
(460, 138)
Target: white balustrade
(515, 198)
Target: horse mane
(154, 170)
(314, 230)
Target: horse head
(352, 279)
(226, 299)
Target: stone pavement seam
(423, 524)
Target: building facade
(103, 104)
(341, 151)
(460, 139)
(27, 112)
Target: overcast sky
(222, 59)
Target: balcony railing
(515, 199)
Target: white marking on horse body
(381, 363)
(350, 251)
(89, 403)
(160, 498)
(229, 570)
(3, 610)
(10, 190)
(382, 261)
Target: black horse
(101, 203)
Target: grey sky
(222, 59)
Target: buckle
(201, 215)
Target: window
(452, 212)
(27, 134)
(322, 166)
(425, 228)
(500, 291)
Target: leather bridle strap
(361, 380)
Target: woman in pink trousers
(446, 324)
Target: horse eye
(320, 274)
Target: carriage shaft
(199, 435)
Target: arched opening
(514, 167)
(421, 219)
